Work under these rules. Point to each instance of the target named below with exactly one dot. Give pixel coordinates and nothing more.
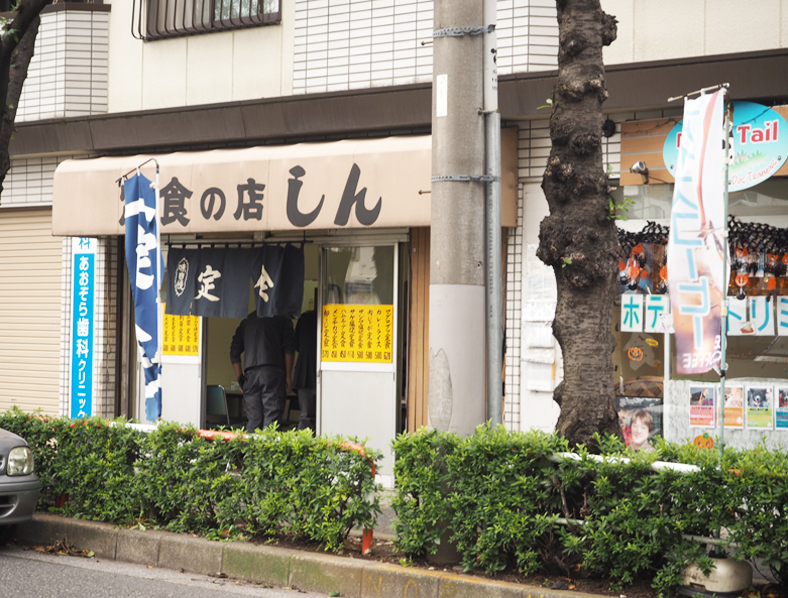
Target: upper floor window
(159, 19)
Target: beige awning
(370, 183)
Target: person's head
(640, 428)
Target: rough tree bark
(17, 41)
(578, 239)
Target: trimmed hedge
(502, 493)
(264, 484)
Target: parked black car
(19, 485)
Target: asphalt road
(30, 574)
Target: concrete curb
(317, 572)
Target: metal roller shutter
(30, 309)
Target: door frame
(396, 241)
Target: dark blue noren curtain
(181, 280)
(278, 280)
(222, 283)
(214, 282)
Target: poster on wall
(702, 406)
(759, 407)
(640, 419)
(180, 335)
(781, 409)
(696, 245)
(734, 406)
(358, 333)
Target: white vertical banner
(696, 246)
(631, 312)
(762, 316)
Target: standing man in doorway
(306, 369)
(268, 345)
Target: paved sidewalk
(317, 572)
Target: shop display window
(757, 344)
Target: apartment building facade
(308, 81)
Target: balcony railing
(161, 19)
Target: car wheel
(6, 531)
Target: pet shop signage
(751, 316)
(760, 145)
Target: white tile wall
(534, 140)
(512, 315)
(106, 291)
(29, 181)
(65, 328)
(527, 36)
(69, 70)
(346, 44)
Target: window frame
(148, 26)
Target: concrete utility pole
(457, 397)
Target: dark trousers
(264, 396)
(307, 405)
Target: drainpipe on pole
(492, 123)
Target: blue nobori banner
(82, 326)
(760, 145)
(143, 259)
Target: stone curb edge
(317, 572)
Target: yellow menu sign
(359, 333)
(181, 335)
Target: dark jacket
(263, 341)
(306, 366)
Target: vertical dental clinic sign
(760, 145)
(83, 279)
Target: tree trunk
(578, 239)
(17, 42)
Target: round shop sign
(760, 145)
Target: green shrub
(504, 498)
(758, 485)
(268, 483)
(509, 501)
